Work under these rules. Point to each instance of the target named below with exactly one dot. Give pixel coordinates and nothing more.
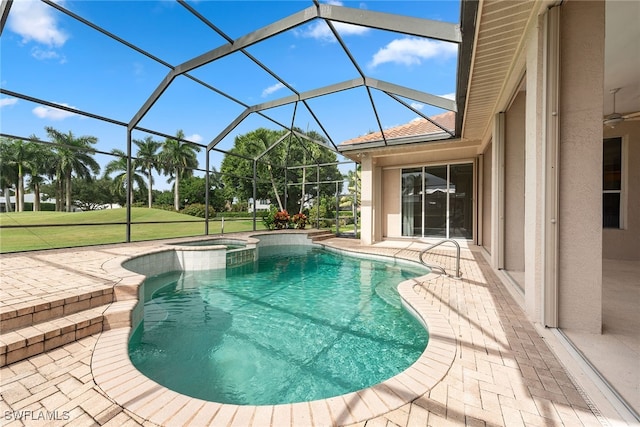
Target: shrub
(281, 219)
(198, 209)
(300, 220)
(229, 214)
(268, 218)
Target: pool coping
(114, 373)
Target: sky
(48, 55)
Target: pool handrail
(438, 267)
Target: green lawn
(102, 227)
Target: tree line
(69, 158)
(66, 169)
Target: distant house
(28, 198)
(261, 205)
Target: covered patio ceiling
(344, 77)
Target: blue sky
(48, 55)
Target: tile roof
(416, 127)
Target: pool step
(44, 323)
(52, 306)
(27, 341)
(320, 235)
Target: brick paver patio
(503, 373)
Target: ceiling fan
(615, 118)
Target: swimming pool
(296, 326)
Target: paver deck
(502, 374)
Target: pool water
(304, 325)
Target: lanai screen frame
(420, 27)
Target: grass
(47, 230)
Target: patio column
(536, 186)
(580, 171)
(367, 210)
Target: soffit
(500, 29)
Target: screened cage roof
(217, 69)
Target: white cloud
(319, 30)
(271, 89)
(451, 96)
(53, 113)
(44, 54)
(412, 51)
(417, 105)
(194, 138)
(8, 101)
(35, 21)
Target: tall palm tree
(147, 159)
(8, 171)
(74, 155)
(120, 180)
(179, 160)
(39, 162)
(17, 155)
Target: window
(612, 183)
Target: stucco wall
(367, 202)
(580, 180)
(625, 244)
(514, 176)
(392, 215)
(427, 154)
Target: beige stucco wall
(580, 204)
(625, 244)
(392, 214)
(514, 177)
(416, 155)
(367, 201)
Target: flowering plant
(300, 220)
(281, 219)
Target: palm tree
(17, 156)
(120, 180)
(8, 171)
(179, 160)
(74, 155)
(39, 164)
(147, 160)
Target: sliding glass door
(437, 201)
(412, 202)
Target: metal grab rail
(434, 266)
